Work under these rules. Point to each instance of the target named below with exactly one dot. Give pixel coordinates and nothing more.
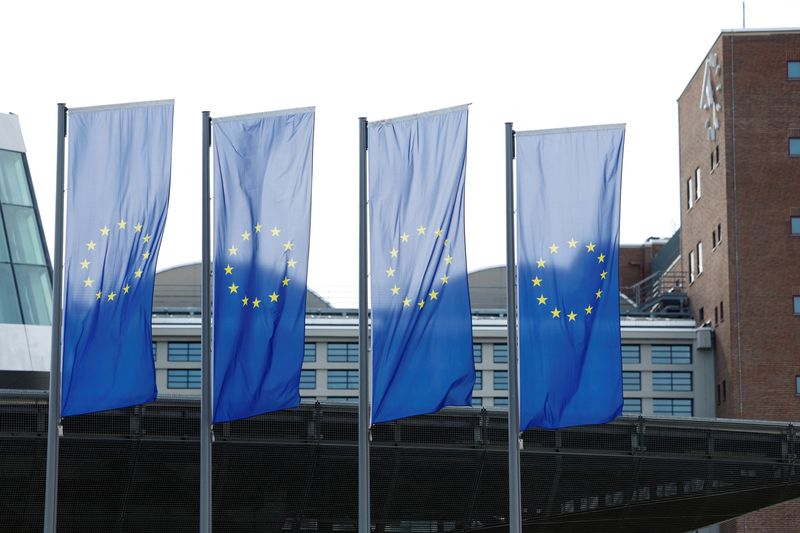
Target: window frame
(698, 184)
(796, 142)
(789, 64)
(189, 357)
(349, 357)
(498, 378)
(190, 374)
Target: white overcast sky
(538, 64)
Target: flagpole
(205, 291)
(514, 514)
(363, 366)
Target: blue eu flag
(421, 321)
(262, 190)
(119, 171)
(568, 216)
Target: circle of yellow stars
(555, 312)
(254, 302)
(105, 234)
(394, 253)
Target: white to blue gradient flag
(262, 195)
(568, 249)
(119, 169)
(421, 320)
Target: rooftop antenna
(743, 24)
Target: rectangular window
(672, 381)
(719, 395)
(699, 258)
(793, 70)
(716, 315)
(478, 380)
(183, 351)
(501, 380)
(797, 384)
(691, 266)
(632, 406)
(35, 293)
(631, 381)
(794, 146)
(797, 305)
(716, 153)
(698, 183)
(689, 194)
(672, 354)
(719, 233)
(4, 255)
(342, 352)
(631, 354)
(155, 350)
(346, 399)
(23, 235)
(308, 379)
(500, 353)
(477, 402)
(9, 304)
(343, 379)
(795, 228)
(477, 352)
(724, 391)
(722, 312)
(501, 402)
(714, 238)
(672, 407)
(13, 179)
(702, 315)
(309, 352)
(183, 378)
(712, 161)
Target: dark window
(714, 238)
(722, 311)
(341, 352)
(716, 153)
(712, 161)
(672, 381)
(309, 352)
(632, 406)
(631, 354)
(500, 353)
(180, 378)
(501, 402)
(795, 230)
(719, 233)
(631, 381)
(501, 379)
(794, 146)
(793, 70)
(719, 394)
(478, 380)
(724, 391)
(477, 353)
(342, 379)
(183, 351)
(797, 305)
(672, 407)
(477, 402)
(308, 379)
(702, 315)
(716, 315)
(672, 354)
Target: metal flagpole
(205, 291)
(54, 398)
(363, 366)
(514, 514)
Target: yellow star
(537, 282)
(104, 231)
(603, 275)
(285, 282)
(406, 302)
(393, 253)
(228, 270)
(390, 272)
(590, 247)
(404, 237)
(245, 301)
(556, 313)
(112, 296)
(126, 288)
(121, 224)
(421, 304)
(137, 228)
(292, 263)
(91, 245)
(572, 243)
(445, 279)
(448, 260)
(88, 282)
(421, 230)
(138, 273)
(98, 295)
(553, 248)
(233, 288)
(256, 303)
(572, 316)
(246, 236)
(232, 250)
(540, 263)
(601, 258)
(395, 290)
(542, 299)
(273, 297)
(446, 242)
(274, 231)
(438, 232)
(85, 264)
(258, 228)
(598, 294)
(588, 309)
(146, 255)
(433, 294)
(146, 238)
(288, 245)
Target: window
(675, 354)
(714, 238)
(478, 380)
(9, 304)
(794, 146)
(23, 235)
(342, 379)
(672, 407)
(632, 406)
(631, 381)
(722, 312)
(308, 379)
(691, 266)
(672, 381)
(797, 384)
(724, 391)
(500, 353)
(631, 354)
(719, 395)
(501, 380)
(477, 402)
(698, 184)
(183, 351)
(797, 305)
(689, 194)
(309, 352)
(346, 399)
(501, 402)
(13, 179)
(183, 378)
(795, 230)
(793, 70)
(701, 315)
(35, 293)
(341, 352)
(699, 258)
(716, 315)
(477, 353)
(155, 350)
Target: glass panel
(501, 380)
(631, 381)
(477, 402)
(793, 70)
(155, 350)
(340, 352)
(13, 182)
(309, 352)
(632, 406)
(672, 407)
(797, 384)
(794, 146)
(795, 227)
(4, 257)
(23, 235)
(501, 402)
(797, 305)
(477, 352)
(631, 354)
(308, 379)
(672, 354)
(478, 380)
(184, 351)
(9, 306)
(35, 293)
(183, 379)
(342, 379)
(500, 353)
(672, 381)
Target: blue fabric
(119, 171)
(421, 321)
(568, 249)
(262, 194)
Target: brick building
(739, 126)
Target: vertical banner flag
(568, 219)
(421, 319)
(120, 160)
(262, 196)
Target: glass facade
(184, 351)
(342, 352)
